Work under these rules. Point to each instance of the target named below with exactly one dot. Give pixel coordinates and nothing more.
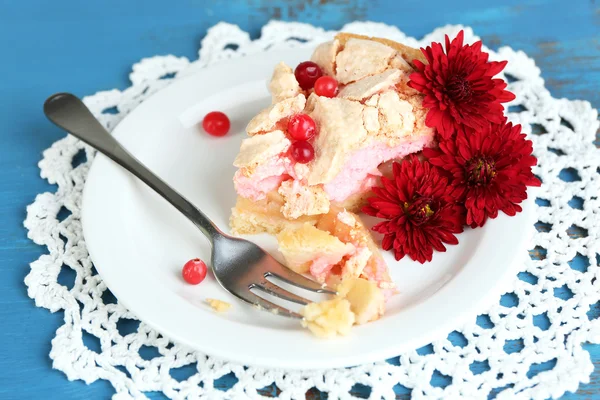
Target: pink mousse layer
(266, 178)
(360, 171)
(358, 175)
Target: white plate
(139, 243)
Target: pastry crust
(325, 54)
(260, 148)
(360, 58)
(268, 118)
(408, 53)
(283, 83)
(368, 86)
(250, 217)
(302, 200)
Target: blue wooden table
(84, 47)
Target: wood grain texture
(85, 47)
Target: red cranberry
(326, 86)
(301, 127)
(216, 123)
(302, 151)
(307, 73)
(194, 271)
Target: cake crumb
(328, 319)
(358, 301)
(218, 305)
(367, 301)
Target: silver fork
(239, 265)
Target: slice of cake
(374, 118)
(312, 158)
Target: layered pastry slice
(337, 248)
(310, 200)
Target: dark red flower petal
(489, 169)
(419, 210)
(459, 86)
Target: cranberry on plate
(216, 123)
(194, 271)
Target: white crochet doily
(545, 319)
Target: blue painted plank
(84, 47)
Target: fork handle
(69, 113)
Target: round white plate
(139, 243)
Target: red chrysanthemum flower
(418, 205)
(490, 168)
(459, 87)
